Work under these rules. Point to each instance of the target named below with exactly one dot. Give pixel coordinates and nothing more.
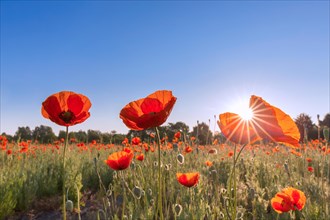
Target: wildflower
(309, 159)
(9, 152)
(66, 108)
(125, 141)
(136, 140)
(231, 153)
(208, 163)
(148, 112)
(140, 157)
(268, 122)
(288, 199)
(119, 160)
(188, 149)
(310, 169)
(188, 179)
(177, 135)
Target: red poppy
(309, 159)
(268, 122)
(119, 160)
(188, 179)
(310, 169)
(140, 157)
(148, 112)
(9, 152)
(136, 140)
(177, 135)
(288, 199)
(125, 141)
(66, 108)
(231, 153)
(188, 149)
(208, 163)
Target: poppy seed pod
(177, 209)
(180, 159)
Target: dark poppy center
(67, 116)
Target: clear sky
(212, 55)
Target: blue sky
(212, 55)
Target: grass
(261, 171)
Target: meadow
(258, 169)
(31, 180)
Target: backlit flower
(148, 112)
(66, 108)
(188, 179)
(288, 199)
(267, 122)
(119, 160)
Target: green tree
(304, 124)
(94, 135)
(326, 121)
(43, 134)
(204, 134)
(81, 136)
(172, 128)
(61, 134)
(23, 134)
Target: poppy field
(259, 170)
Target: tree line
(44, 134)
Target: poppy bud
(177, 209)
(180, 159)
(137, 192)
(69, 205)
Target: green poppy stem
(63, 173)
(160, 202)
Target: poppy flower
(140, 157)
(136, 140)
(288, 199)
(119, 160)
(125, 141)
(188, 149)
(310, 169)
(148, 112)
(66, 108)
(267, 122)
(177, 135)
(309, 159)
(208, 163)
(188, 179)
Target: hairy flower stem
(232, 179)
(160, 202)
(63, 172)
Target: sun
(241, 107)
(245, 113)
